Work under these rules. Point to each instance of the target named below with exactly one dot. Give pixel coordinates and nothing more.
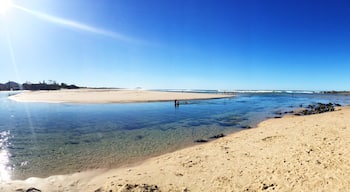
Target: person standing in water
(176, 103)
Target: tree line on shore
(51, 85)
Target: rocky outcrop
(318, 108)
(210, 138)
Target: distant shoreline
(109, 96)
(337, 92)
(207, 91)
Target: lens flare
(5, 6)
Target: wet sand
(108, 96)
(306, 153)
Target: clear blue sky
(200, 44)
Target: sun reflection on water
(5, 169)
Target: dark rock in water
(92, 139)
(278, 113)
(229, 121)
(288, 112)
(337, 104)
(200, 141)
(139, 137)
(87, 141)
(32, 189)
(244, 119)
(217, 136)
(72, 143)
(228, 124)
(246, 127)
(311, 106)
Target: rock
(278, 113)
(311, 106)
(72, 143)
(217, 136)
(201, 141)
(265, 186)
(32, 189)
(139, 137)
(142, 187)
(316, 109)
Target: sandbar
(109, 96)
(304, 153)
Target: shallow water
(39, 139)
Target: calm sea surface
(39, 139)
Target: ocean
(41, 139)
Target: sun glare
(5, 5)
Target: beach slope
(108, 96)
(306, 153)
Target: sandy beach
(306, 153)
(108, 96)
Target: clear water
(39, 139)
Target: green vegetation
(51, 85)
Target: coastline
(109, 96)
(288, 154)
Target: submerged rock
(217, 136)
(72, 143)
(246, 127)
(212, 137)
(139, 137)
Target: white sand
(308, 153)
(108, 96)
